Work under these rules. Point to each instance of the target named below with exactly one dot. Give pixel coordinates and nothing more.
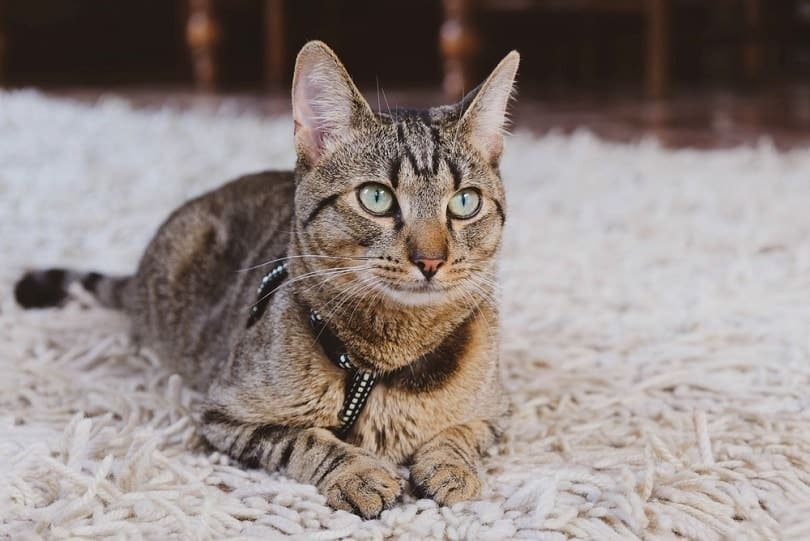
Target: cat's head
(409, 204)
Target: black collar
(359, 383)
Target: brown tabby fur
(272, 394)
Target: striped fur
(272, 395)
(352, 479)
(41, 289)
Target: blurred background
(695, 73)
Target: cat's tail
(43, 288)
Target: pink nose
(429, 267)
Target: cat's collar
(270, 282)
(361, 382)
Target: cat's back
(192, 292)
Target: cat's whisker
(321, 283)
(484, 295)
(355, 300)
(340, 300)
(458, 122)
(490, 329)
(477, 295)
(482, 285)
(313, 256)
(329, 308)
(348, 292)
(386, 104)
(331, 273)
(486, 280)
(343, 296)
(377, 78)
(482, 279)
(361, 299)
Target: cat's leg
(350, 478)
(446, 467)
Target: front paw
(364, 486)
(446, 481)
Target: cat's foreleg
(350, 478)
(446, 467)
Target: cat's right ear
(326, 104)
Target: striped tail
(44, 288)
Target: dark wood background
(105, 42)
(736, 70)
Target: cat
(373, 338)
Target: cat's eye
(376, 198)
(464, 204)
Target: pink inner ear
(322, 105)
(308, 133)
(325, 101)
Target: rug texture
(656, 344)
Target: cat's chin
(425, 294)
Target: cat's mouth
(417, 292)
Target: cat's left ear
(326, 103)
(486, 116)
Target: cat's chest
(400, 416)
(395, 423)
(455, 383)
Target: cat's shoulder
(241, 196)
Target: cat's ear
(485, 109)
(326, 104)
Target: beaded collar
(359, 382)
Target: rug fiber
(656, 318)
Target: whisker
(343, 296)
(321, 283)
(343, 299)
(361, 299)
(487, 296)
(313, 256)
(386, 104)
(477, 308)
(458, 122)
(331, 273)
(379, 108)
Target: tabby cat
(374, 340)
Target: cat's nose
(429, 267)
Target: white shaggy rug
(655, 342)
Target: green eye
(376, 198)
(464, 204)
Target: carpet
(656, 309)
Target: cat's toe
(364, 487)
(447, 483)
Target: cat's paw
(364, 486)
(448, 482)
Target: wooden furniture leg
(202, 37)
(458, 44)
(656, 76)
(274, 42)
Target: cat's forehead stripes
(417, 144)
(422, 145)
(393, 171)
